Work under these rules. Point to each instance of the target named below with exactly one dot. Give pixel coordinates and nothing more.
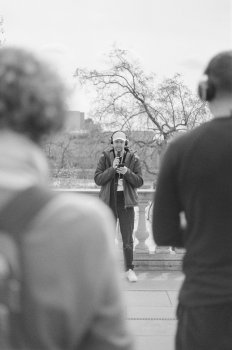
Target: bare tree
(126, 97)
(69, 151)
(130, 99)
(58, 150)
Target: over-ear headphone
(206, 89)
(111, 138)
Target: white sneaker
(172, 251)
(131, 276)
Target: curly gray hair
(32, 96)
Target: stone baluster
(141, 233)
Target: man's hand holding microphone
(120, 167)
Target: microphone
(119, 156)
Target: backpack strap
(17, 214)
(15, 219)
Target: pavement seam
(149, 290)
(151, 318)
(169, 297)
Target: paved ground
(151, 305)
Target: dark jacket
(105, 174)
(196, 178)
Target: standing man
(119, 175)
(196, 180)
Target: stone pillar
(141, 233)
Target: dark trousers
(204, 328)
(126, 217)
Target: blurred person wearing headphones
(195, 179)
(119, 174)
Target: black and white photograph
(115, 175)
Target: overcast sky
(167, 36)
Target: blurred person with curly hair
(68, 262)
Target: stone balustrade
(160, 258)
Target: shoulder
(80, 216)
(183, 140)
(106, 153)
(133, 154)
(184, 144)
(83, 205)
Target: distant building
(75, 121)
